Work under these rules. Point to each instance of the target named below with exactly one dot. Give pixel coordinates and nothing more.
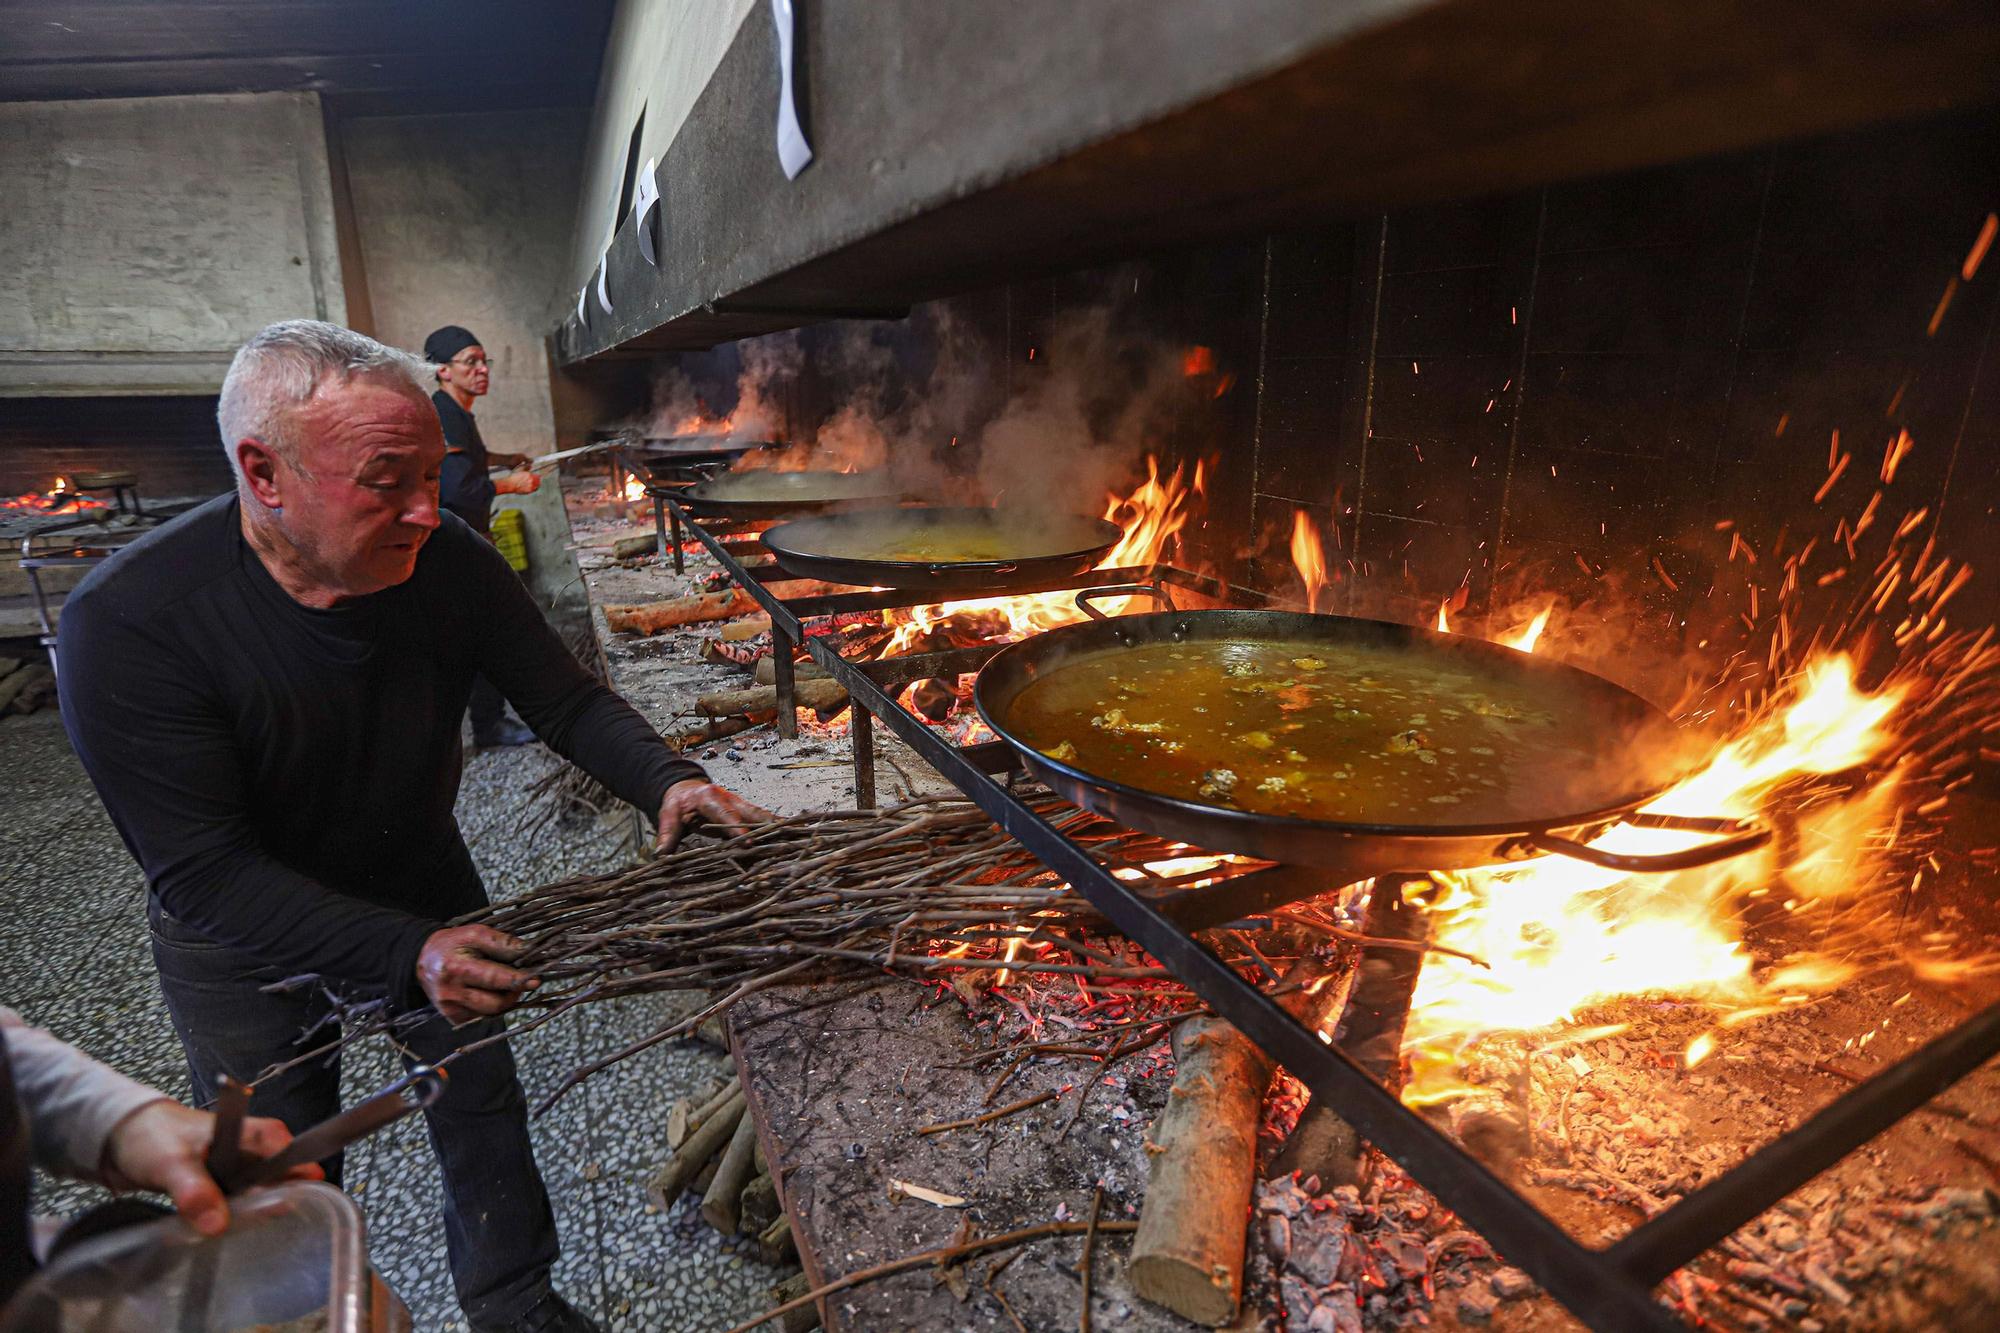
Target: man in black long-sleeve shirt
(267, 692)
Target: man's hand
(161, 1146)
(457, 970)
(696, 799)
(520, 482)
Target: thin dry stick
(1019, 1059)
(997, 1114)
(1089, 1242)
(938, 1256)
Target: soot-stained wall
(1622, 392)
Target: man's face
(363, 497)
(469, 370)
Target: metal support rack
(1610, 1288)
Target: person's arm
(73, 1102)
(163, 757)
(89, 1121)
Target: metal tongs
(236, 1170)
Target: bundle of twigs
(922, 890)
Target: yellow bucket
(510, 534)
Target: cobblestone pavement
(74, 959)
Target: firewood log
(774, 1243)
(824, 696)
(1188, 1251)
(630, 548)
(714, 729)
(700, 1147)
(721, 1206)
(688, 1116)
(652, 617)
(758, 1206)
(749, 627)
(802, 1320)
(766, 670)
(28, 687)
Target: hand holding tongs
(236, 1170)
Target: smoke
(944, 400)
(736, 390)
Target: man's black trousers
(499, 1230)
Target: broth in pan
(1356, 734)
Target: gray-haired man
(267, 691)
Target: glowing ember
(1308, 557)
(58, 499)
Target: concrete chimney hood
(960, 145)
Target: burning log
(701, 1146)
(722, 1205)
(823, 696)
(1188, 1253)
(1371, 1032)
(652, 617)
(933, 698)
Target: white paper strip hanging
(793, 151)
(645, 203)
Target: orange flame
(635, 490)
(1151, 517)
(1443, 620)
(1555, 934)
(1525, 639)
(1308, 557)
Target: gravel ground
(74, 959)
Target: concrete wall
(143, 240)
(464, 219)
(659, 58)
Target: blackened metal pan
(1617, 723)
(761, 493)
(945, 550)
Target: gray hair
(281, 366)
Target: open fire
(60, 498)
(1855, 746)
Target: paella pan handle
(1742, 835)
(1157, 591)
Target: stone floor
(74, 959)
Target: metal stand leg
(784, 677)
(861, 730)
(1370, 1031)
(680, 557)
(660, 527)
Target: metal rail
(1609, 1289)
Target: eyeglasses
(476, 363)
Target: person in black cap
(466, 488)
